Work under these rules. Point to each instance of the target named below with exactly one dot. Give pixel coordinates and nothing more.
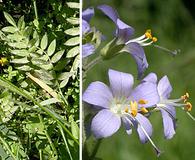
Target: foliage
(39, 89)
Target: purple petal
(88, 14)
(127, 123)
(121, 83)
(145, 123)
(98, 94)
(168, 121)
(146, 91)
(105, 124)
(109, 11)
(85, 27)
(124, 31)
(151, 77)
(138, 54)
(164, 87)
(87, 49)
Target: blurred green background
(173, 23)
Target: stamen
(144, 110)
(185, 97)
(133, 106)
(154, 39)
(148, 33)
(188, 106)
(158, 152)
(142, 101)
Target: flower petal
(164, 87)
(145, 123)
(98, 94)
(124, 31)
(87, 49)
(105, 124)
(138, 54)
(146, 91)
(85, 27)
(127, 123)
(168, 122)
(121, 83)
(151, 77)
(109, 11)
(87, 14)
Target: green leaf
(19, 45)
(20, 61)
(65, 75)
(61, 64)
(73, 31)
(44, 74)
(75, 129)
(25, 94)
(64, 82)
(52, 47)
(38, 62)
(27, 31)
(73, 52)
(57, 56)
(44, 42)
(73, 5)
(73, 41)
(47, 66)
(10, 29)
(21, 23)
(21, 53)
(49, 101)
(9, 18)
(76, 63)
(24, 68)
(73, 20)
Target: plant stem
(40, 154)
(92, 63)
(95, 149)
(7, 147)
(35, 9)
(48, 137)
(66, 144)
(5, 83)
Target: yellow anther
(148, 34)
(126, 109)
(154, 39)
(185, 97)
(142, 101)
(188, 106)
(133, 106)
(144, 110)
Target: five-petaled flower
(124, 33)
(122, 102)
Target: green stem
(48, 137)
(95, 149)
(35, 9)
(7, 147)
(40, 154)
(5, 83)
(92, 63)
(66, 144)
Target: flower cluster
(122, 103)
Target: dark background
(173, 23)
